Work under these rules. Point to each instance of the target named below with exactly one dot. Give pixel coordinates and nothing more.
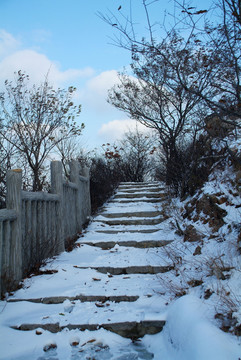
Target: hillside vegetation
(207, 260)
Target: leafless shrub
(35, 258)
(216, 266)
(212, 272)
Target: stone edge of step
(146, 269)
(106, 245)
(128, 329)
(83, 298)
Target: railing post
(74, 177)
(14, 201)
(1, 249)
(57, 188)
(87, 202)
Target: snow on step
(131, 221)
(132, 218)
(107, 240)
(119, 258)
(140, 198)
(77, 312)
(146, 269)
(139, 186)
(133, 213)
(127, 228)
(76, 273)
(125, 195)
(144, 200)
(70, 281)
(132, 207)
(135, 191)
(106, 245)
(116, 289)
(131, 190)
(86, 256)
(158, 234)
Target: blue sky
(67, 38)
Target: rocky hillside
(207, 262)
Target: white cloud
(114, 130)
(32, 62)
(95, 93)
(37, 66)
(7, 43)
(91, 90)
(102, 82)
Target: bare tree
(129, 159)
(69, 149)
(156, 98)
(132, 158)
(217, 82)
(7, 161)
(137, 150)
(214, 42)
(233, 9)
(179, 80)
(35, 119)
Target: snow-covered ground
(195, 298)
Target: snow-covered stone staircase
(109, 281)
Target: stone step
(138, 190)
(138, 200)
(106, 245)
(135, 185)
(144, 221)
(123, 231)
(82, 298)
(90, 282)
(131, 214)
(125, 195)
(146, 269)
(131, 329)
(139, 183)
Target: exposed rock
(208, 293)
(135, 330)
(75, 341)
(239, 242)
(238, 177)
(237, 330)
(197, 251)
(228, 323)
(49, 347)
(195, 282)
(207, 205)
(38, 332)
(191, 234)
